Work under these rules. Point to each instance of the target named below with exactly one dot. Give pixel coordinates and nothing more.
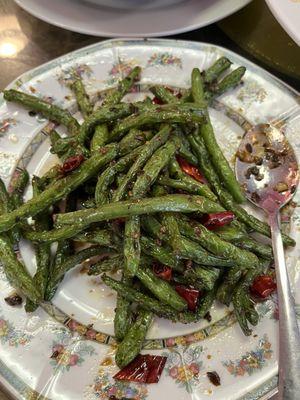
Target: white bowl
(134, 4)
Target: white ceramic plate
(108, 22)
(84, 362)
(287, 12)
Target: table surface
(36, 42)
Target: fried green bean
(123, 313)
(217, 157)
(48, 110)
(157, 141)
(133, 139)
(161, 254)
(58, 189)
(101, 116)
(82, 98)
(161, 289)
(42, 250)
(230, 81)
(212, 73)
(112, 263)
(190, 183)
(116, 95)
(108, 176)
(16, 271)
(134, 339)
(146, 302)
(168, 203)
(157, 116)
(216, 245)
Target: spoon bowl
(267, 169)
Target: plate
(109, 22)
(287, 13)
(66, 349)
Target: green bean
(151, 170)
(206, 131)
(99, 138)
(111, 264)
(48, 110)
(163, 255)
(59, 189)
(242, 239)
(99, 236)
(202, 189)
(132, 247)
(133, 139)
(187, 249)
(16, 271)
(123, 313)
(226, 289)
(134, 339)
(108, 176)
(164, 94)
(230, 81)
(206, 275)
(101, 135)
(225, 198)
(101, 116)
(123, 87)
(18, 185)
(43, 251)
(4, 198)
(82, 98)
(146, 302)
(184, 151)
(51, 175)
(161, 289)
(16, 189)
(83, 218)
(212, 73)
(159, 115)
(197, 86)
(160, 138)
(216, 245)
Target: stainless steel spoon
(267, 168)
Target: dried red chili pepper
(143, 369)
(156, 100)
(190, 170)
(189, 294)
(212, 221)
(263, 286)
(162, 271)
(72, 163)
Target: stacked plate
(131, 18)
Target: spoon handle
(289, 337)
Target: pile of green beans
(120, 191)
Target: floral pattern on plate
(165, 59)
(68, 351)
(184, 365)
(106, 388)
(6, 124)
(252, 361)
(67, 76)
(12, 336)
